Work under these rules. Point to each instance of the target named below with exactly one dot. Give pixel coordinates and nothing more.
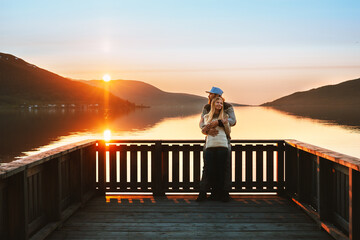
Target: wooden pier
(181, 217)
(38, 194)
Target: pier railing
(176, 166)
(326, 184)
(38, 193)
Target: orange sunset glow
(180, 119)
(256, 51)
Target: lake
(26, 132)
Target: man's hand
(214, 124)
(212, 132)
(210, 129)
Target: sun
(106, 78)
(107, 135)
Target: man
(210, 130)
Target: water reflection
(107, 135)
(268, 123)
(23, 132)
(146, 118)
(347, 115)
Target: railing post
(88, 162)
(291, 170)
(354, 204)
(101, 167)
(157, 170)
(76, 176)
(280, 168)
(3, 210)
(82, 179)
(324, 188)
(88, 168)
(300, 190)
(52, 188)
(318, 183)
(18, 204)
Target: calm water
(28, 132)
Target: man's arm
(225, 124)
(201, 123)
(210, 128)
(232, 119)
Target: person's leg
(204, 182)
(218, 175)
(222, 157)
(210, 154)
(216, 172)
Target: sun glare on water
(107, 135)
(106, 78)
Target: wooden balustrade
(38, 193)
(326, 184)
(176, 166)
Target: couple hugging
(216, 119)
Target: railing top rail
(345, 160)
(11, 168)
(190, 141)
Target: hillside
(338, 103)
(345, 93)
(22, 83)
(145, 94)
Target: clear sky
(255, 50)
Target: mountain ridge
(344, 93)
(338, 103)
(146, 94)
(23, 83)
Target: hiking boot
(214, 197)
(225, 197)
(202, 197)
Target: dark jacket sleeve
(229, 110)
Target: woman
(216, 147)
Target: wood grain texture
(346, 160)
(181, 217)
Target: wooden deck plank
(179, 227)
(199, 210)
(192, 235)
(204, 218)
(181, 217)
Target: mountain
(338, 103)
(147, 95)
(345, 93)
(22, 83)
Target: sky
(254, 50)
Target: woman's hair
(212, 110)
